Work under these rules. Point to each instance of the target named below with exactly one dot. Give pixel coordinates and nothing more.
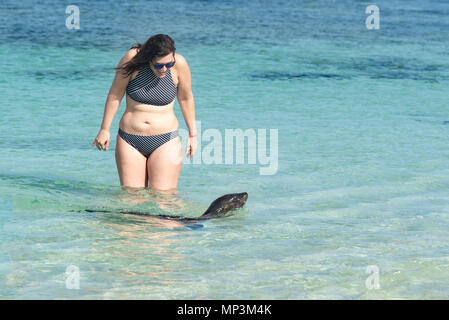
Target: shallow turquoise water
(362, 179)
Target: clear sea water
(363, 171)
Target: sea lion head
(224, 204)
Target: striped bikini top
(148, 88)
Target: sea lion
(218, 208)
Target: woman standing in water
(148, 149)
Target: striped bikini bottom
(147, 144)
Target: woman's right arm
(115, 96)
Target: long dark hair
(158, 45)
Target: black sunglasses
(161, 65)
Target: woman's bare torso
(145, 119)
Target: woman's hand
(102, 140)
(191, 147)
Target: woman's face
(162, 60)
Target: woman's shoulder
(131, 53)
(181, 62)
(128, 56)
(180, 58)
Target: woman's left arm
(186, 102)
